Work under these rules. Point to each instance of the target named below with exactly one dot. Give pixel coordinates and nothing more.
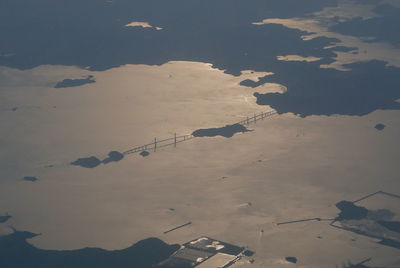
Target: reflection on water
(174, 91)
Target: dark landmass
(350, 211)
(222, 36)
(88, 162)
(29, 178)
(390, 243)
(383, 28)
(315, 91)
(5, 218)
(144, 153)
(373, 234)
(250, 83)
(359, 266)
(16, 252)
(14, 109)
(380, 215)
(113, 156)
(248, 253)
(291, 259)
(225, 37)
(175, 263)
(228, 131)
(92, 161)
(380, 126)
(75, 82)
(171, 264)
(391, 225)
(352, 218)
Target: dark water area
(75, 82)
(16, 252)
(227, 131)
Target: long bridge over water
(173, 141)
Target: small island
(75, 82)
(30, 178)
(291, 259)
(87, 162)
(380, 126)
(227, 131)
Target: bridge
(173, 141)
